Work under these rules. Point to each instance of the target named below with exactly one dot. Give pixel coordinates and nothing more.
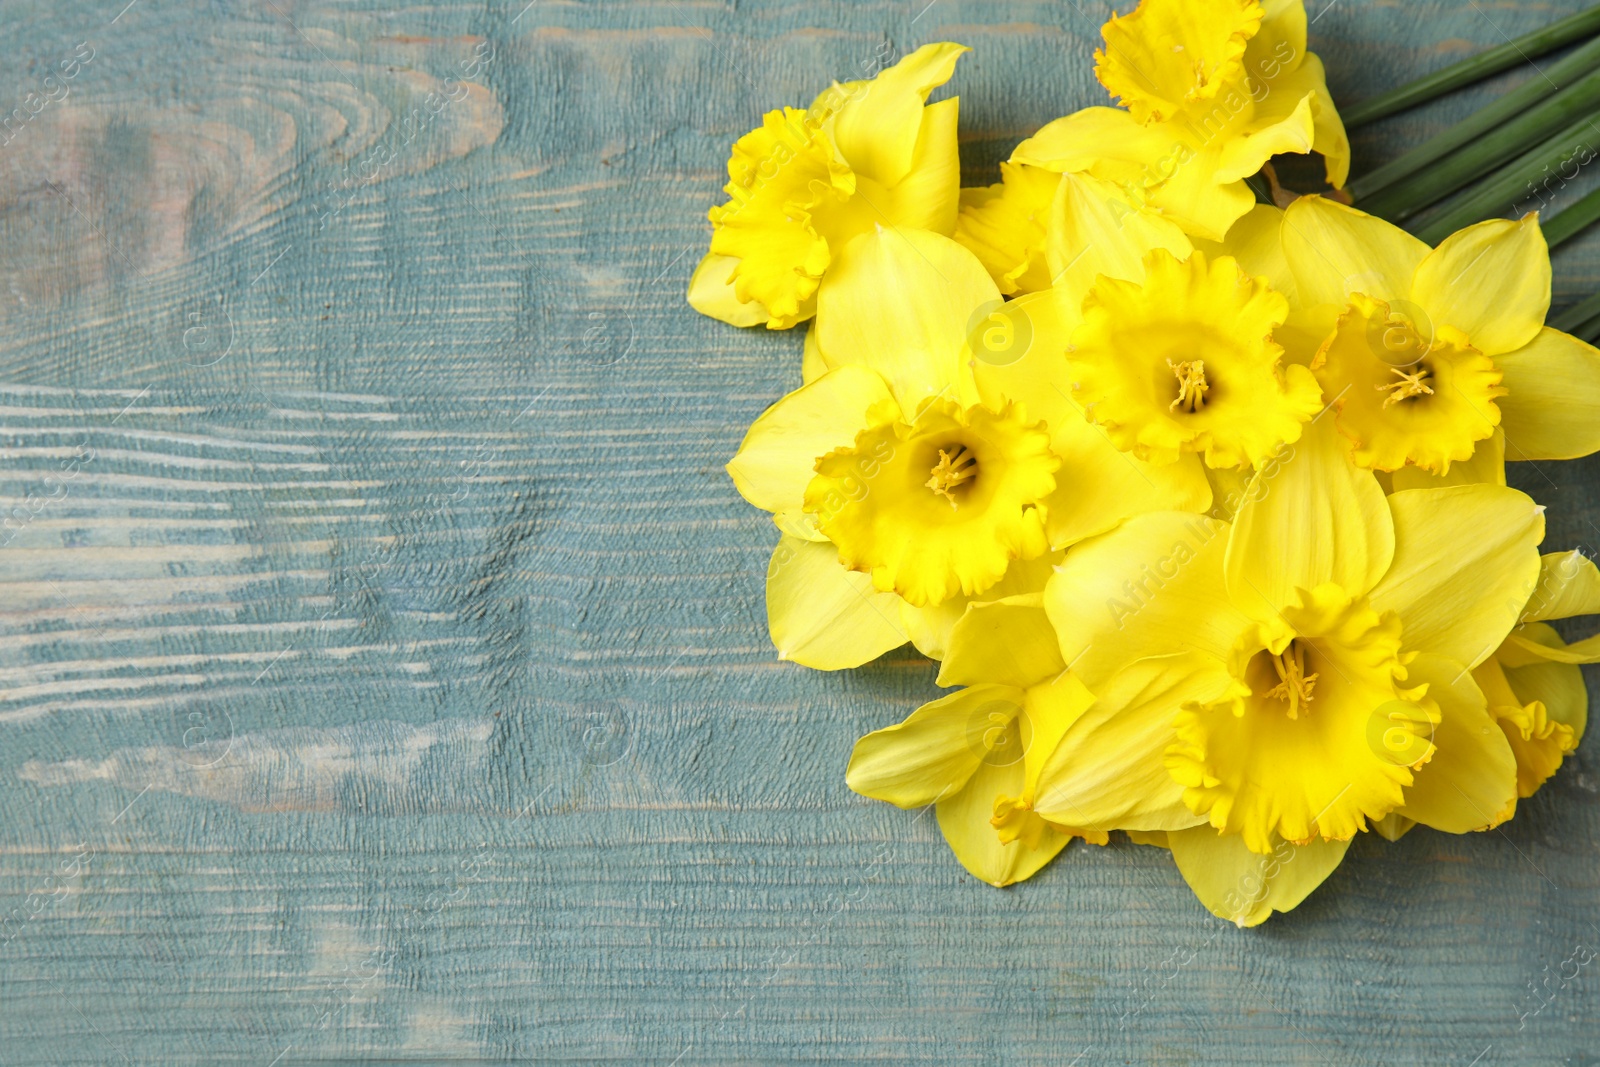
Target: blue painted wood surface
(384, 669)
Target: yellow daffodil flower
(976, 754)
(804, 183)
(908, 483)
(1295, 676)
(1185, 362)
(1426, 353)
(1533, 683)
(1213, 89)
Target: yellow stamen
(1294, 684)
(1192, 385)
(954, 469)
(1408, 386)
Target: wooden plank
(383, 673)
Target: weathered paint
(383, 675)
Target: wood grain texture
(383, 670)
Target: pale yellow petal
(1245, 887)
(1107, 771)
(1308, 518)
(934, 752)
(1393, 826)
(780, 450)
(1256, 242)
(1471, 781)
(1291, 131)
(1200, 198)
(824, 616)
(1491, 281)
(1051, 708)
(1152, 587)
(1569, 584)
(1100, 486)
(929, 196)
(878, 121)
(1091, 138)
(1466, 559)
(711, 292)
(1551, 409)
(965, 822)
(1008, 641)
(1558, 686)
(1336, 250)
(902, 302)
(1096, 230)
(930, 626)
(813, 364)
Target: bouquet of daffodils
(1199, 500)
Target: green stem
(1489, 151)
(1588, 331)
(1475, 68)
(1576, 316)
(1503, 110)
(1573, 220)
(1513, 184)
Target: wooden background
(383, 669)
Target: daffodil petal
(1151, 587)
(929, 196)
(934, 752)
(1107, 770)
(779, 454)
(1100, 486)
(1521, 650)
(1096, 230)
(1309, 518)
(1393, 826)
(1557, 685)
(1256, 243)
(813, 364)
(1466, 559)
(1291, 132)
(930, 626)
(1569, 584)
(1551, 409)
(878, 123)
(1336, 250)
(964, 819)
(1471, 781)
(1089, 138)
(1491, 281)
(1246, 887)
(711, 292)
(901, 302)
(1200, 198)
(1051, 708)
(1008, 641)
(824, 616)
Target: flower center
(1294, 686)
(1192, 385)
(1409, 385)
(956, 468)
